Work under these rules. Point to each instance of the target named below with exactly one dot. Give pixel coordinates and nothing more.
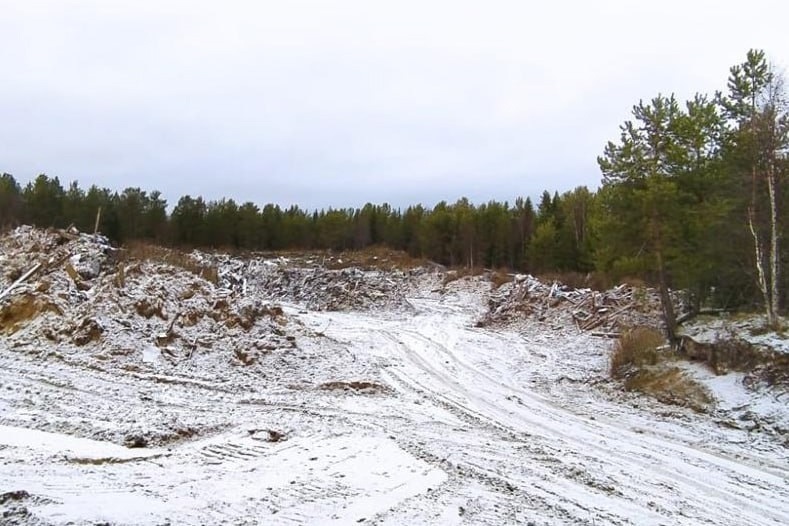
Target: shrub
(635, 348)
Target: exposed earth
(133, 391)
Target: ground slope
(397, 417)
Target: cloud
(339, 103)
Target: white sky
(337, 103)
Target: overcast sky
(337, 103)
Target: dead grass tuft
(635, 348)
(635, 282)
(500, 277)
(146, 252)
(670, 385)
(638, 360)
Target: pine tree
(757, 106)
(641, 195)
(10, 201)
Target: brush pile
(309, 282)
(604, 313)
(322, 289)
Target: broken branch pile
(308, 282)
(334, 290)
(605, 313)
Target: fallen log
(606, 334)
(21, 280)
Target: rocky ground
(158, 388)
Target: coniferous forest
(693, 197)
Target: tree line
(692, 197)
(554, 236)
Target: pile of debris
(76, 290)
(319, 288)
(28, 254)
(310, 282)
(604, 313)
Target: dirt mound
(19, 310)
(136, 307)
(762, 364)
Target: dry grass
(599, 281)
(371, 258)
(500, 277)
(574, 280)
(638, 359)
(635, 282)
(635, 348)
(146, 252)
(463, 272)
(670, 385)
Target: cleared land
(384, 402)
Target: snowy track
(476, 427)
(569, 462)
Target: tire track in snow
(429, 365)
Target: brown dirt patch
(89, 330)
(361, 387)
(23, 309)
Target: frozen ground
(454, 425)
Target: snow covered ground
(455, 425)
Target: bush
(635, 348)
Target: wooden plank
(21, 280)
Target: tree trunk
(774, 248)
(761, 276)
(669, 317)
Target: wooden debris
(24, 277)
(605, 313)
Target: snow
(151, 354)
(73, 447)
(326, 480)
(468, 425)
(750, 328)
